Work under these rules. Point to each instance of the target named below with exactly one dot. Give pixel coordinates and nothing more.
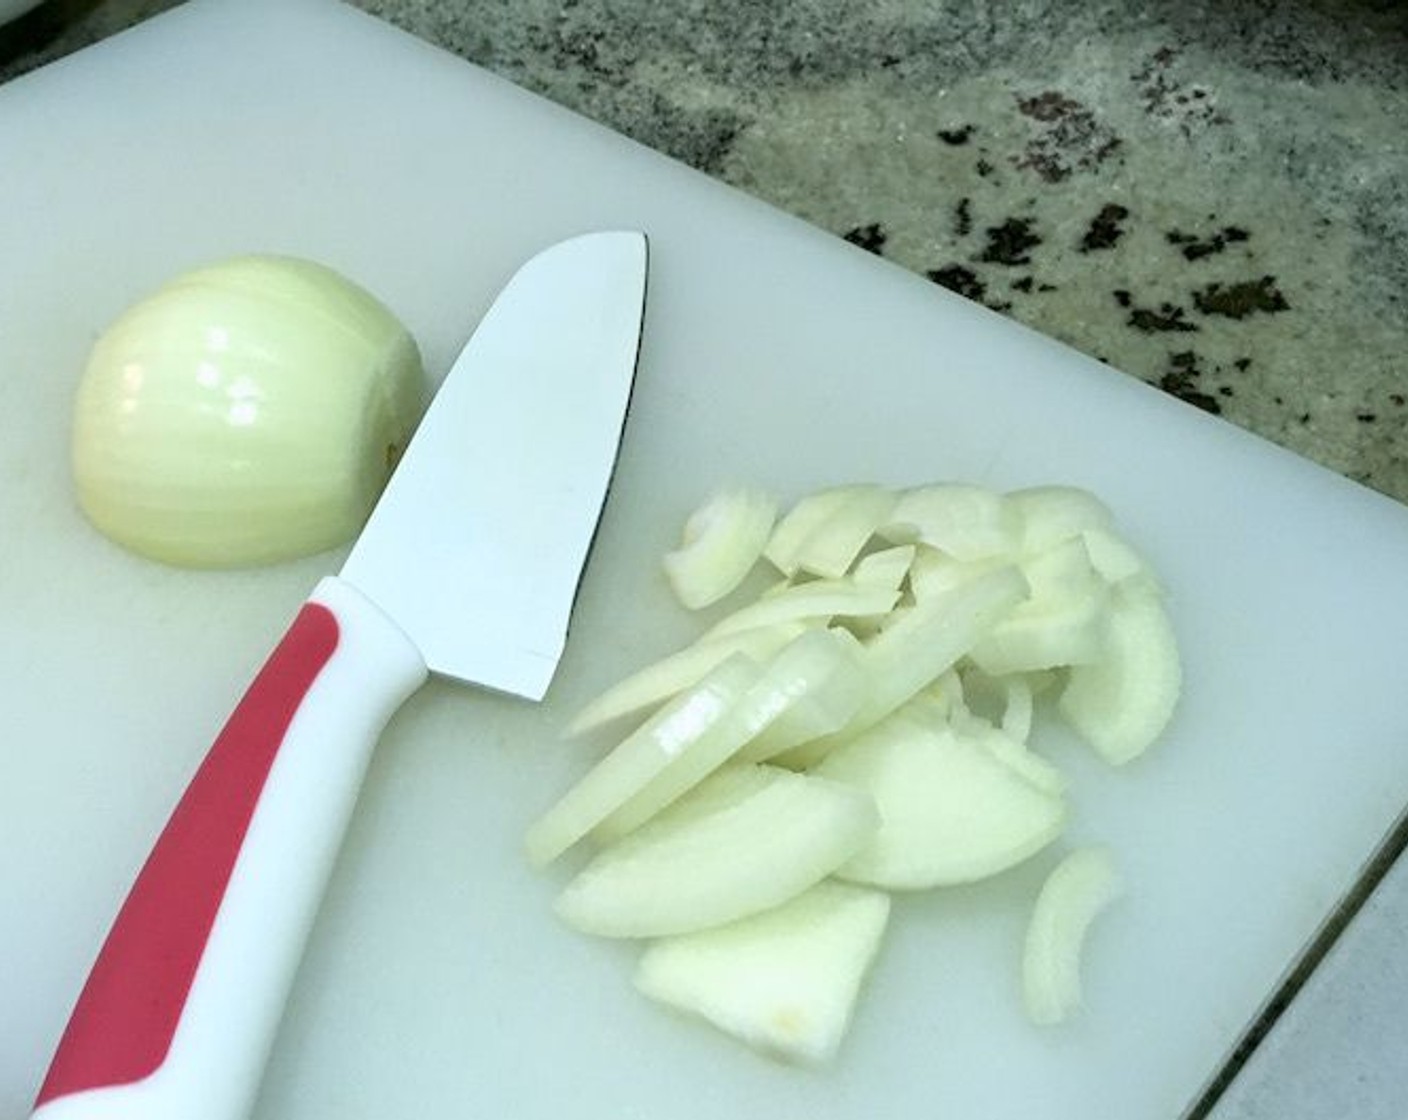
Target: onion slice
(1080, 887)
(967, 522)
(722, 541)
(746, 839)
(819, 700)
(1051, 515)
(1018, 708)
(1063, 621)
(665, 678)
(1015, 755)
(831, 547)
(1117, 560)
(803, 667)
(887, 567)
(919, 648)
(785, 981)
(1121, 703)
(818, 600)
(638, 759)
(824, 531)
(932, 572)
(950, 810)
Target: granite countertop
(1212, 197)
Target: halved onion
(246, 412)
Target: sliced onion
(743, 841)
(1020, 708)
(889, 567)
(967, 522)
(1121, 703)
(825, 691)
(933, 572)
(663, 679)
(1117, 560)
(910, 680)
(1014, 754)
(244, 413)
(802, 668)
(818, 600)
(917, 650)
(1050, 515)
(945, 699)
(785, 981)
(635, 761)
(1080, 887)
(830, 549)
(825, 530)
(950, 810)
(1061, 623)
(723, 539)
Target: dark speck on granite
(1166, 317)
(1234, 171)
(1194, 247)
(869, 237)
(1009, 243)
(963, 217)
(1237, 301)
(1183, 379)
(1069, 137)
(962, 280)
(1104, 231)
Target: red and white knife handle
(178, 1014)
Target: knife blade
(468, 567)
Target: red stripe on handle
(122, 1026)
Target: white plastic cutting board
(438, 982)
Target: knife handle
(178, 1014)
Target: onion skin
(245, 413)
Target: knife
(467, 567)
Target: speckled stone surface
(1209, 196)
